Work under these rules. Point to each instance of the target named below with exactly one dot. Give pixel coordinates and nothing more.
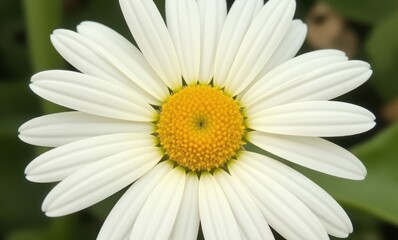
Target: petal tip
(28, 170)
(35, 77)
(359, 173)
(51, 214)
(59, 32)
(23, 138)
(30, 177)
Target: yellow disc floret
(200, 127)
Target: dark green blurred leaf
(31, 234)
(42, 17)
(382, 47)
(368, 11)
(377, 194)
(21, 199)
(17, 104)
(64, 228)
(13, 51)
(366, 227)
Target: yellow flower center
(200, 128)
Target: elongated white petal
(316, 119)
(184, 26)
(59, 163)
(328, 211)
(322, 83)
(235, 27)
(57, 129)
(297, 66)
(81, 54)
(110, 39)
(126, 57)
(251, 222)
(261, 40)
(120, 221)
(157, 216)
(212, 15)
(99, 180)
(283, 211)
(288, 47)
(93, 59)
(92, 95)
(186, 226)
(217, 219)
(150, 33)
(311, 152)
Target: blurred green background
(365, 29)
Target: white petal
(316, 119)
(261, 40)
(184, 26)
(57, 129)
(110, 39)
(328, 211)
(126, 57)
(248, 216)
(322, 83)
(99, 180)
(234, 30)
(289, 70)
(212, 16)
(92, 95)
(217, 219)
(311, 152)
(288, 47)
(59, 163)
(157, 216)
(91, 58)
(186, 226)
(283, 211)
(150, 33)
(120, 221)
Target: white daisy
(171, 120)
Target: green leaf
(382, 48)
(65, 228)
(367, 11)
(365, 226)
(23, 200)
(42, 17)
(377, 194)
(13, 50)
(17, 105)
(31, 234)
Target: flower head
(172, 119)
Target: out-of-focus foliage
(367, 11)
(372, 204)
(382, 47)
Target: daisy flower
(170, 121)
